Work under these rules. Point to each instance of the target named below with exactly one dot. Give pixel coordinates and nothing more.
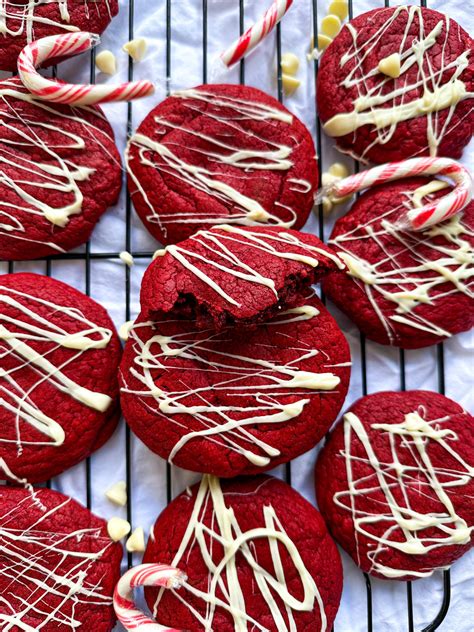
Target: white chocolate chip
(339, 8)
(136, 542)
(127, 258)
(136, 48)
(339, 170)
(390, 65)
(330, 25)
(290, 64)
(327, 205)
(118, 528)
(159, 253)
(323, 41)
(117, 494)
(124, 330)
(106, 62)
(290, 84)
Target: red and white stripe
(256, 33)
(144, 575)
(430, 213)
(67, 45)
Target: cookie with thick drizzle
(404, 288)
(220, 154)
(229, 403)
(398, 82)
(59, 172)
(256, 554)
(22, 21)
(233, 275)
(59, 353)
(58, 566)
(395, 483)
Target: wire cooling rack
(87, 256)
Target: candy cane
(428, 214)
(143, 575)
(55, 46)
(256, 33)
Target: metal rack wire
(87, 257)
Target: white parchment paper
(107, 283)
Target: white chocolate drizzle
(166, 158)
(420, 479)
(384, 105)
(46, 564)
(226, 260)
(52, 173)
(270, 389)
(408, 288)
(16, 337)
(21, 21)
(223, 530)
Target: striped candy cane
(144, 575)
(67, 45)
(428, 214)
(256, 33)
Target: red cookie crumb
(220, 154)
(234, 275)
(278, 549)
(394, 483)
(408, 289)
(234, 403)
(60, 171)
(58, 566)
(351, 88)
(28, 20)
(59, 354)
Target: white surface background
(108, 285)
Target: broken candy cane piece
(144, 575)
(426, 215)
(256, 33)
(67, 45)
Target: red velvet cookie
(408, 289)
(26, 20)
(234, 403)
(282, 570)
(58, 566)
(60, 170)
(378, 116)
(59, 353)
(234, 275)
(395, 483)
(220, 154)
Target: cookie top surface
(59, 354)
(408, 289)
(26, 20)
(58, 566)
(395, 483)
(60, 170)
(426, 110)
(295, 584)
(221, 154)
(232, 275)
(232, 403)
